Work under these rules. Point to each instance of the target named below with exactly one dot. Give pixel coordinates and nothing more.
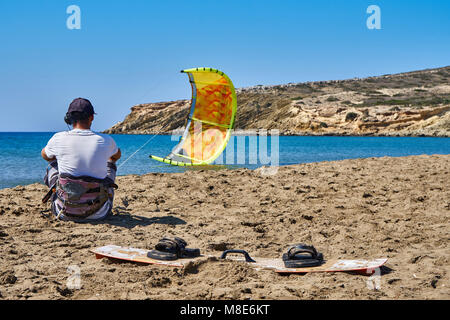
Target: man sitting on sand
(82, 170)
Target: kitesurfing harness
(79, 197)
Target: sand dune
(365, 208)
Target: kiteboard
(367, 267)
(138, 256)
(130, 254)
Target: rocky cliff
(407, 104)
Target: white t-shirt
(81, 152)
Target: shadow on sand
(123, 218)
(131, 221)
(127, 220)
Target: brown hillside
(407, 104)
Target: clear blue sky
(131, 52)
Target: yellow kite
(210, 121)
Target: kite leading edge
(210, 121)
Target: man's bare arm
(44, 155)
(116, 156)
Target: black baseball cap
(81, 105)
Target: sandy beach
(397, 208)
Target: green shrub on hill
(351, 116)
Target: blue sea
(22, 164)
